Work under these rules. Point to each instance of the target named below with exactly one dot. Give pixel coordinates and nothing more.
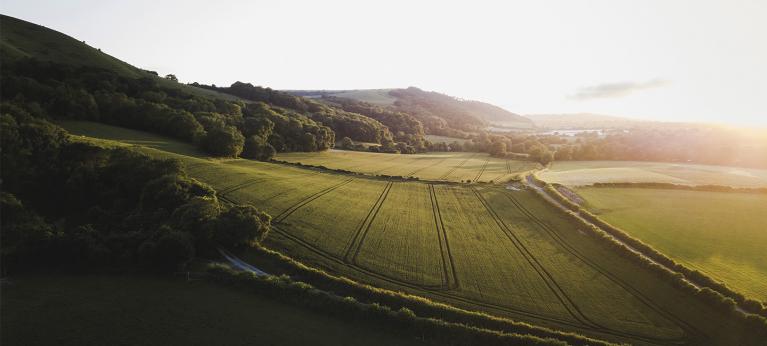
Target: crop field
(579, 173)
(722, 234)
(461, 167)
(480, 247)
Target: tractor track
(290, 210)
(448, 173)
(444, 244)
(437, 162)
(482, 170)
(627, 287)
(441, 292)
(445, 292)
(361, 232)
(544, 274)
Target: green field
(476, 167)
(722, 234)
(480, 247)
(374, 96)
(578, 173)
(89, 310)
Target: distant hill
(441, 114)
(582, 121)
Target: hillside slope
(438, 112)
(21, 39)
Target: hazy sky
(665, 60)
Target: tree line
(360, 123)
(220, 127)
(699, 144)
(72, 203)
(714, 293)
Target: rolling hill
(438, 112)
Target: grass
(374, 96)
(719, 233)
(89, 310)
(479, 247)
(456, 167)
(131, 137)
(578, 173)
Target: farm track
(570, 249)
(444, 244)
(362, 229)
(448, 173)
(482, 170)
(547, 278)
(290, 210)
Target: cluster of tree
(671, 186)
(517, 147)
(439, 113)
(73, 203)
(221, 127)
(403, 126)
(403, 320)
(387, 146)
(699, 144)
(448, 116)
(344, 123)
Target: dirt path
(240, 264)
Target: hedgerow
(271, 260)
(715, 294)
(403, 320)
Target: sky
(701, 61)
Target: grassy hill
(484, 248)
(20, 39)
(457, 113)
